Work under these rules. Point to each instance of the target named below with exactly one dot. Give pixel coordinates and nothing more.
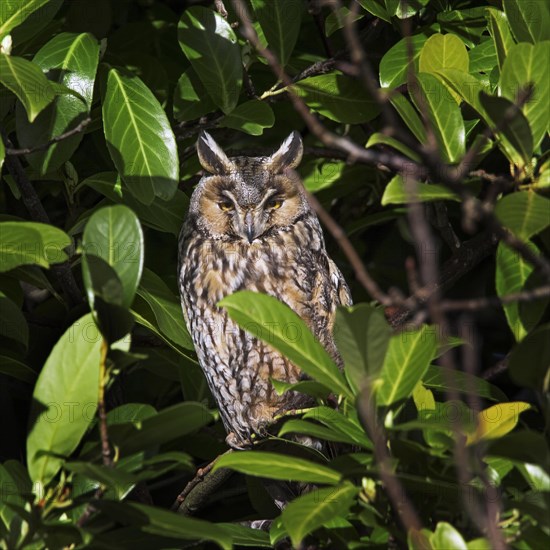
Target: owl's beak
(249, 226)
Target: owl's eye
(274, 203)
(226, 206)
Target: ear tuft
(288, 155)
(211, 155)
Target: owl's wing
(340, 286)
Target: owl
(250, 226)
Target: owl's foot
(235, 442)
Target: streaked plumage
(251, 227)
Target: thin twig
(101, 410)
(56, 139)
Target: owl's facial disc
(251, 221)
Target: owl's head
(248, 197)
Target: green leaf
(336, 19)
(211, 46)
(347, 426)
(14, 368)
(25, 243)
(338, 97)
(246, 536)
(114, 235)
(168, 425)
(497, 421)
(71, 60)
(434, 99)
(166, 309)
(410, 117)
(14, 324)
(529, 361)
(469, 24)
(483, 58)
(530, 21)
(442, 379)
(446, 536)
(139, 138)
(361, 334)
(27, 82)
(159, 215)
(407, 359)
(191, 101)
(465, 85)
(512, 274)
(278, 466)
(383, 139)
(250, 117)
(164, 523)
(15, 12)
(120, 482)
(525, 213)
(64, 399)
(314, 430)
(394, 64)
(377, 8)
(287, 333)
(524, 66)
(313, 510)
(500, 32)
(403, 9)
(395, 192)
(280, 21)
(443, 52)
(511, 126)
(2, 154)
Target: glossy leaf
(16, 369)
(211, 46)
(444, 115)
(277, 325)
(166, 308)
(511, 126)
(526, 65)
(336, 19)
(499, 30)
(512, 274)
(139, 138)
(64, 399)
(443, 52)
(338, 97)
(446, 536)
(14, 324)
(404, 9)
(68, 59)
(164, 523)
(165, 426)
(382, 139)
(525, 213)
(361, 334)
(278, 466)
(159, 215)
(280, 22)
(16, 12)
(251, 117)
(529, 361)
(191, 100)
(313, 510)
(27, 82)
(497, 421)
(396, 193)
(113, 234)
(465, 85)
(406, 361)
(410, 117)
(31, 243)
(530, 21)
(394, 64)
(483, 58)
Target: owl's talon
(236, 443)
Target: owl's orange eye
(274, 203)
(226, 206)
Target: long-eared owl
(250, 226)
